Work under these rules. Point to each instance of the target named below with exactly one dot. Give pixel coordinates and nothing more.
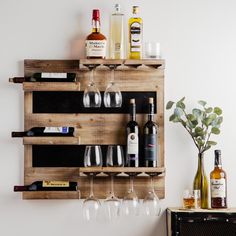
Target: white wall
(198, 41)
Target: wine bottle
(48, 186)
(135, 35)
(46, 77)
(95, 44)
(150, 138)
(117, 49)
(218, 184)
(132, 130)
(46, 131)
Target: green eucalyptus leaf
(182, 99)
(218, 111)
(169, 105)
(191, 117)
(189, 124)
(215, 130)
(172, 117)
(197, 112)
(202, 103)
(209, 110)
(180, 105)
(211, 143)
(207, 147)
(178, 112)
(199, 131)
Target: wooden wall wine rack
(57, 104)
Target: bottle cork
(150, 100)
(132, 101)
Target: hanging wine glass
(114, 158)
(92, 205)
(130, 204)
(151, 203)
(92, 96)
(112, 95)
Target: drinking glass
(130, 204)
(92, 96)
(151, 202)
(114, 158)
(192, 199)
(92, 205)
(112, 95)
(152, 50)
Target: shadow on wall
(159, 228)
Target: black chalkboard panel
(72, 102)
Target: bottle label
(54, 75)
(95, 48)
(63, 130)
(218, 188)
(132, 144)
(150, 147)
(135, 37)
(56, 184)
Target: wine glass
(114, 158)
(92, 205)
(151, 203)
(92, 96)
(130, 204)
(112, 95)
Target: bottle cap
(132, 101)
(150, 100)
(11, 80)
(96, 14)
(117, 7)
(218, 152)
(135, 9)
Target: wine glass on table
(114, 158)
(112, 95)
(151, 202)
(130, 204)
(92, 205)
(92, 97)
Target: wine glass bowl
(91, 208)
(115, 156)
(92, 96)
(93, 156)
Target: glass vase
(201, 182)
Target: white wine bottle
(117, 48)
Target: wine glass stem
(112, 185)
(112, 75)
(91, 186)
(91, 75)
(132, 183)
(152, 183)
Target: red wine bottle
(132, 132)
(150, 138)
(48, 186)
(46, 77)
(45, 131)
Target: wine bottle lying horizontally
(48, 186)
(45, 131)
(46, 77)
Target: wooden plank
(51, 140)
(51, 195)
(53, 86)
(210, 210)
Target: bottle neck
(218, 163)
(96, 26)
(200, 162)
(133, 112)
(151, 112)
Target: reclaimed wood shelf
(51, 140)
(138, 78)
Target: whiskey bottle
(218, 184)
(132, 131)
(150, 138)
(117, 41)
(45, 77)
(96, 42)
(135, 35)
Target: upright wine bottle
(46, 77)
(48, 186)
(132, 130)
(218, 184)
(150, 138)
(46, 131)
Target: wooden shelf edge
(51, 86)
(51, 195)
(51, 140)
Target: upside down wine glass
(92, 96)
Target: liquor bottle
(135, 35)
(132, 130)
(218, 184)
(117, 50)
(150, 138)
(46, 77)
(48, 186)
(96, 42)
(45, 131)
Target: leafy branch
(201, 123)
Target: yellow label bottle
(135, 35)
